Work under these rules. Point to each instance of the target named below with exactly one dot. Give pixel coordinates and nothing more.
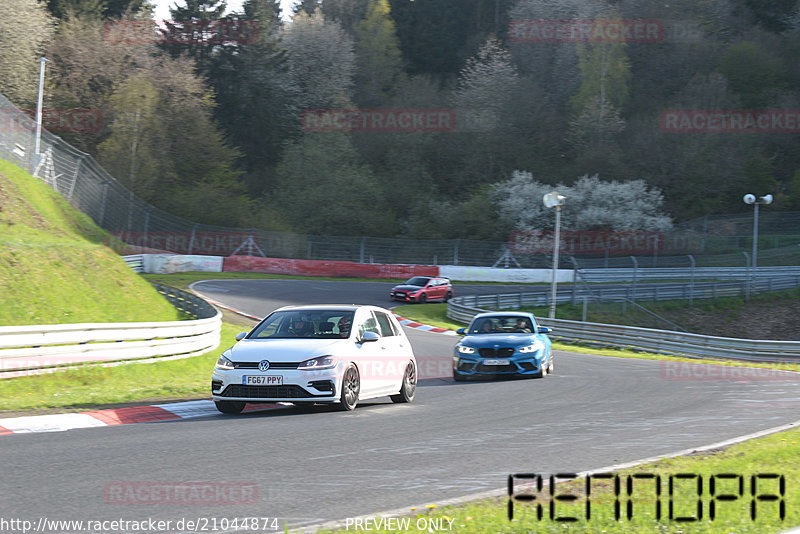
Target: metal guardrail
(604, 275)
(462, 309)
(38, 347)
(134, 261)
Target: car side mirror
(240, 336)
(369, 337)
(545, 330)
(461, 331)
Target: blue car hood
(503, 340)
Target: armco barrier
(346, 269)
(38, 347)
(651, 340)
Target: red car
(422, 289)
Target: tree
(25, 29)
(309, 7)
(754, 73)
(324, 188)
(134, 152)
(592, 204)
(348, 13)
(190, 32)
(258, 103)
(378, 55)
(321, 60)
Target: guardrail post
(691, 282)
(585, 306)
(635, 276)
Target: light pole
(554, 200)
(751, 199)
(39, 98)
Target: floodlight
(552, 200)
(749, 199)
(766, 199)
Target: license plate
(262, 380)
(496, 362)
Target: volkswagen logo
(263, 365)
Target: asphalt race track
(453, 440)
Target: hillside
(55, 267)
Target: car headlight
(224, 363)
(534, 347)
(320, 362)
(463, 349)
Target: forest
(426, 119)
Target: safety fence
(462, 309)
(27, 348)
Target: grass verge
(776, 454)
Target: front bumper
(296, 386)
(402, 296)
(467, 366)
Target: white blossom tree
(321, 60)
(591, 204)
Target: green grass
(50, 258)
(774, 454)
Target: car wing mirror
(461, 331)
(369, 337)
(545, 330)
(240, 336)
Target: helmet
(344, 326)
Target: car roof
(330, 307)
(504, 314)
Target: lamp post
(554, 200)
(39, 98)
(751, 199)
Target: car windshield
(512, 324)
(305, 324)
(418, 281)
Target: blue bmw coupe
(502, 344)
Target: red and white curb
(116, 416)
(419, 326)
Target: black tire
(458, 377)
(409, 387)
(550, 365)
(448, 296)
(351, 387)
(423, 298)
(230, 407)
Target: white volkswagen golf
(317, 354)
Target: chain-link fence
(141, 227)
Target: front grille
(272, 365)
(496, 368)
(528, 366)
(465, 366)
(266, 392)
(502, 352)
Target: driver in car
(300, 327)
